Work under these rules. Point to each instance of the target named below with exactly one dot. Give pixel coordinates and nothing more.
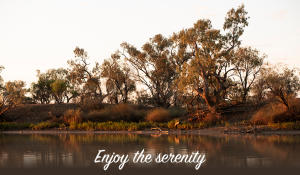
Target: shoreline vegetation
(148, 127)
(247, 119)
(198, 78)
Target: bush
(212, 118)
(171, 124)
(13, 126)
(285, 125)
(270, 113)
(158, 115)
(177, 112)
(72, 116)
(89, 104)
(295, 106)
(125, 112)
(187, 125)
(97, 116)
(119, 112)
(43, 125)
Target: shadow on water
(73, 151)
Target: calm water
(42, 153)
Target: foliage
(58, 87)
(247, 63)
(55, 85)
(12, 93)
(158, 115)
(119, 112)
(154, 67)
(72, 116)
(43, 125)
(85, 80)
(269, 113)
(207, 73)
(285, 125)
(282, 84)
(119, 84)
(13, 126)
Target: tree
(247, 63)
(259, 90)
(1, 79)
(207, 74)
(85, 80)
(55, 85)
(41, 90)
(15, 92)
(3, 106)
(119, 83)
(58, 88)
(282, 83)
(12, 94)
(62, 88)
(154, 67)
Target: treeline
(197, 68)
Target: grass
(4, 126)
(285, 125)
(101, 126)
(13, 126)
(112, 126)
(137, 126)
(71, 116)
(43, 125)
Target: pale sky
(40, 34)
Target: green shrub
(43, 125)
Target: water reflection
(79, 150)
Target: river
(75, 153)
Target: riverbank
(153, 128)
(105, 126)
(211, 131)
(244, 119)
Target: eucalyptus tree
(248, 64)
(12, 94)
(62, 88)
(3, 106)
(153, 67)
(85, 79)
(207, 73)
(41, 90)
(53, 85)
(119, 82)
(282, 83)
